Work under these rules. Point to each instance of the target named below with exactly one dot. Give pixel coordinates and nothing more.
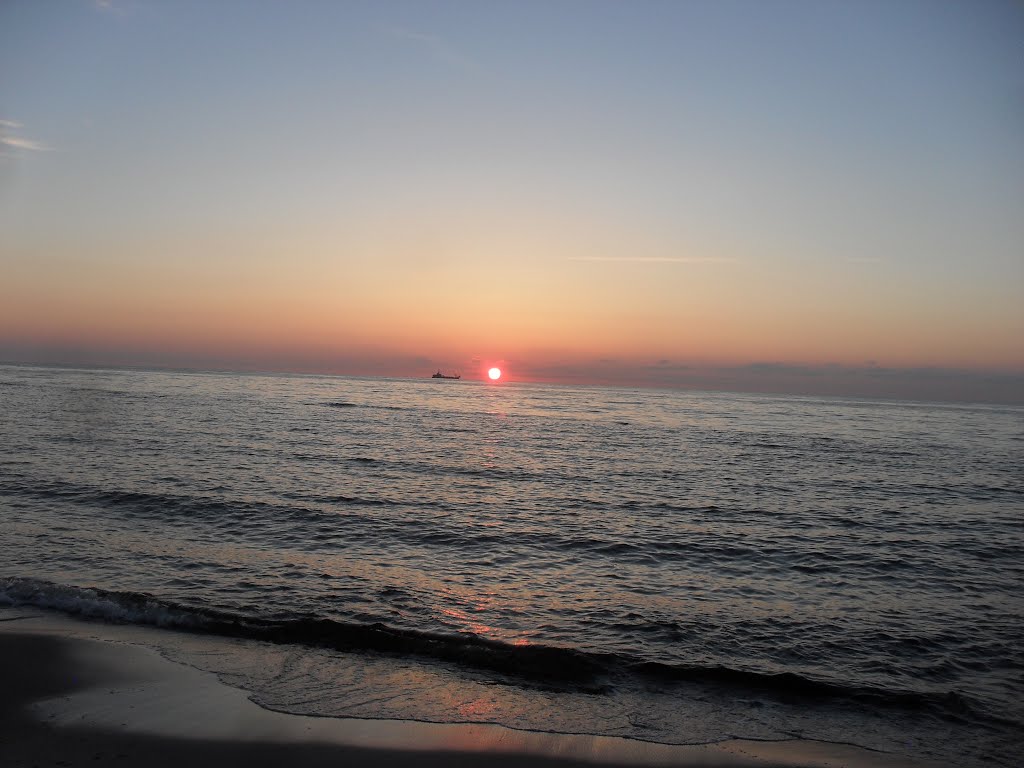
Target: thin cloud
(119, 9)
(437, 46)
(865, 260)
(656, 259)
(17, 143)
(776, 369)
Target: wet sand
(66, 700)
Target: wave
(92, 603)
(948, 704)
(535, 662)
(281, 517)
(538, 665)
(192, 506)
(345, 404)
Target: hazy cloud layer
(830, 380)
(917, 383)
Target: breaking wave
(536, 665)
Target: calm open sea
(677, 567)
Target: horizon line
(681, 387)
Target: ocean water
(671, 566)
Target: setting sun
(494, 374)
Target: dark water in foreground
(677, 567)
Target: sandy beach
(77, 693)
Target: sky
(813, 197)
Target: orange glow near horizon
(271, 317)
(494, 374)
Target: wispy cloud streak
(656, 259)
(436, 45)
(14, 141)
(18, 142)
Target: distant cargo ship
(440, 375)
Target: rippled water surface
(664, 565)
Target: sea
(677, 567)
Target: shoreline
(80, 693)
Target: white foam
(94, 604)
